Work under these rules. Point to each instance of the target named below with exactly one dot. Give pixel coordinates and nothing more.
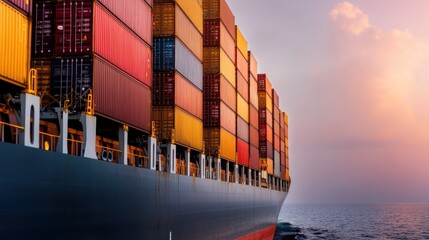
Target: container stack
(178, 72)
(99, 45)
(286, 148)
(242, 80)
(220, 98)
(15, 27)
(266, 152)
(253, 113)
(276, 133)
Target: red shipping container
(253, 66)
(276, 114)
(242, 86)
(283, 172)
(253, 116)
(241, 64)
(275, 98)
(218, 114)
(254, 136)
(215, 35)
(116, 95)
(254, 157)
(264, 84)
(43, 29)
(253, 92)
(276, 128)
(266, 149)
(242, 152)
(276, 141)
(23, 5)
(282, 147)
(283, 159)
(135, 14)
(217, 87)
(219, 9)
(265, 133)
(242, 129)
(265, 117)
(123, 49)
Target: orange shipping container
(227, 118)
(270, 166)
(218, 140)
(253, 116)
(265, 101)
(215, 35)
(253, 91)
(264, 84)
(188, 97)
(219, 9)
(216, 61)
(242, 108)
(242, 86)
(253, 65)
(241, 43)
(242, 64)
(194, 11)
(15, 33)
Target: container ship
(136, 119)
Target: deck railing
(10, 132)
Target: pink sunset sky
(354, 78)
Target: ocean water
(353, 221)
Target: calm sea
(353, 221)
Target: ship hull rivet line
(203, 165)
(123, 145)
(63, 120)
(151, 146)
(89, 126)
(188, 162)
(171, 157)
(30, 109)
(236, 173)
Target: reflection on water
(353, 221)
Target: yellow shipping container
(242, 108)
(189, 35)
(265, 101)
(14, 45)
(219, 138)
(241, 43)
(286, 118)
(194, 10)
(217, 61)
(270, 166)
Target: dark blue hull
(46, 195)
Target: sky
(353, 77)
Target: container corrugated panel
(23, 5)
(163, 19)
(276, 163)
(215, 35)
(73, 27)
(254, 136)
(242, 86)
(242, 108)
(254, 157)
(282, 147)
(189, 35)
(216, 86)
(219, 9)
(172, 89)
(265, 133)
(283, 172)
(253, 92)
(275, 97)
(242, 152)
(43, 67)
(265, 117)
(220, 140)
(253, 116)
(241, 44)
(242, 129)
(124, 49)
(270, 166)
(194, 11)
(218, 114)
(117, 94)
(276, 115)
(287, 174)
(135, 14)
(72, 79)
(282, 133)
(276, 128)
(242, 65)
(264, 84)
(216, 61)
(266, 149)
(43, 29)
(276, 141)
(188, 65)
(265, 101)
(14, 46)
(253, 65)
(163, 54)
(283, 158)
(282, 121)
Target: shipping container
(253, 92)
(43, 29)
(254, 158)
(220, 141)
(14, 46)
(276, 128)
(276, 115)
(124, 49)
(264, 84)
(171, 89)
(242, 152)
(283, 172)
(215, 35)
(188, 130)
(265, 149)
(265, 101)
(283, 159)
(254, 136)
(241, 45)
(253, 116)
(275, 97)
(242, 87)
(242, 129)
(242, 108)
(192, 8)
(270, 166)
(253, 66)
(117, 94)
(218, 114)
(265, 132)
(216, 87)
(23, 5)
(219, 9)
(265, 117)
(276, 142)
(43, 67)
(164, 19)
(135, 14)
(150, 2)
(216, 61)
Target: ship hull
(46, 195)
